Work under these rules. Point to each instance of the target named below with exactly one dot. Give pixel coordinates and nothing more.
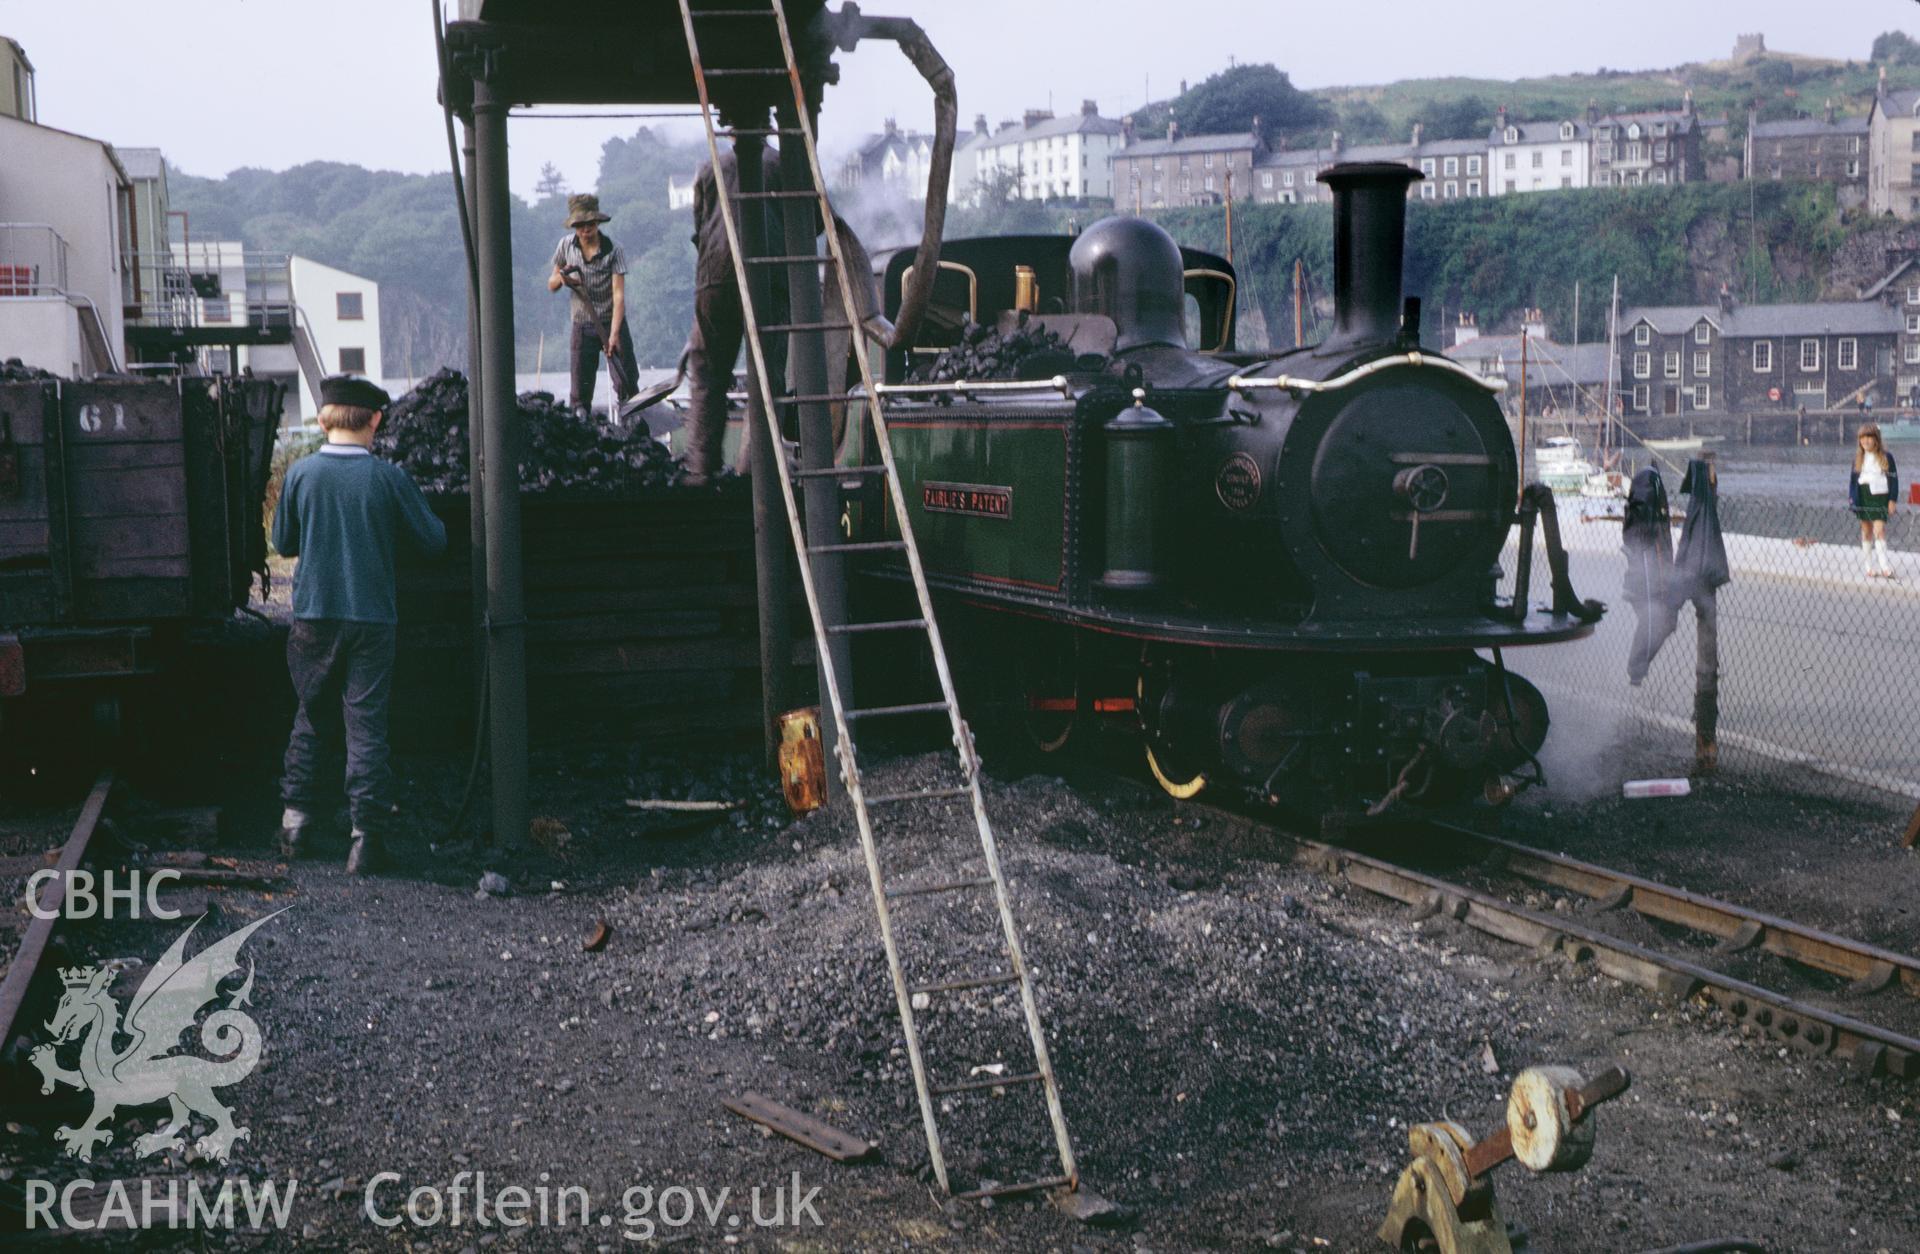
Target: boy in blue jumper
(343, 512)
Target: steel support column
(772, 550)
(506, 609)
(807, 360)
(476, 449)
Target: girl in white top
(1872, 488)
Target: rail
(212, 284)
(1291, 383)
(1869, 1048)
(39, 932)
(33, 260)
(968, 387)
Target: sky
(218, 84)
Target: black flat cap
(351, 389)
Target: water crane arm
(848, 27)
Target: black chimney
(1369, 243)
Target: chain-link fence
(1817, 664)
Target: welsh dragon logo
(146, 1070)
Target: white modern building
(1893, 163)
(1538, 156)
(64, 209)
(342, 313)
(1047, 158)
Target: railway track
(1812, 1029)
(39, 931)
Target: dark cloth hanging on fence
(1700, 561)
(1648, 543)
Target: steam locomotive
(1285, 572)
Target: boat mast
(1613, 345)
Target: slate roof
(1793, 128)
(1193, 143)
(142, 163)
(1851, 317)
(1548, 363)
(1538, 132)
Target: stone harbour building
(1730, 357)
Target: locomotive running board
(952, 883)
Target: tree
(1895, 48)
(1233, 98)
(1772, 72)
(552, 184)
(1469, 117)
(1361, 122)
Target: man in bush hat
(343, 512)
(594, 269)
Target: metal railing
(209, 285)
(33, 260)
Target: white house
(679, 194)
(1538, 156)
(342, 311)
(64, 206)
(1049, 158)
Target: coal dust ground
(1241, 1043)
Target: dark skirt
(1872, 506)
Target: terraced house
(1735, 358)
(1827, 149)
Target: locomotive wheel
(1048, 689)
(1179, 784)
(1173, 775)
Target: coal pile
(13, 370)
(1028, 351)
(425, 433)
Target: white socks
(1880, 551)
(1866, 553)
(293, 819)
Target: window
(1566, 156)
(1451, 166)
(1266, 180)
(1452, 190)
(1641, 394)
(1913, 298)
(1566, 130)
(1513, 137)
(353, 361)
(1209, 161)
(1473, 187)
(1659, 176)
(1809, 354)
(1509, 161)
(1763, 356)
(1426, 166)
(1703, 333)
(1702, 365)
(1566, 180)
(1659, 128)
(1473, 165)
(1846, 355)
(1636, 152)
(1156, 163)
(217, 309)
(1671, 361)
(1702, 395)
(1853, 169)
(1913, 352)
(1642, 334)
(1914, 176)
(1660, 152)
(1426, 191)
(1606, 152)
(1509, 185)
(1916, 141)
(1853, 145)
(1287, 178)
(1539, 159)
(1642, 365)
(1913, 324)
(1209, 182)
